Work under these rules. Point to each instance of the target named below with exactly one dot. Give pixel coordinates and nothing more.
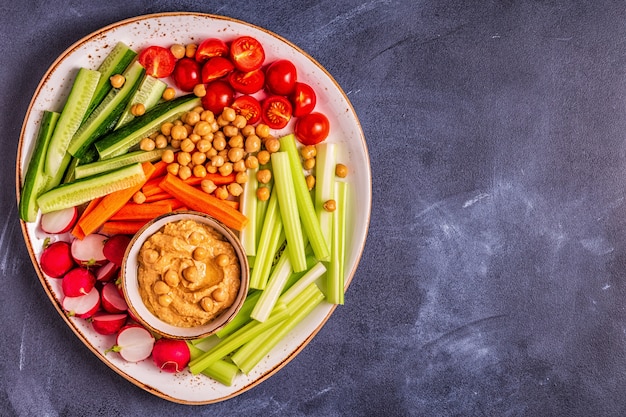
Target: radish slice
(83, 306)
(115, 248)
(106, 272)
(56, 260)
(79, 281)
(112, 300)
(89, 251)
(105, 323)
(60, 221)
(134, 343)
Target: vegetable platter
(345, 134)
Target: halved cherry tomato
(219, 94)
(186, 74)
(247, 82)
(280, 77)
(247, 53)
(303, 99)
(158, 61)
(249, 107)
(216, 67)
(211, 47)
(276, 111)
(312, 128)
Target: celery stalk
(271, 238)
(261, 210)
(222, 371)
(237, 339)
(307, 279)
(287, 203)
(335, 276)
(242, 317)
(306, 208)
(248, 203)
(275, 284)
(325, 163)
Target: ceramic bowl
(130, 286)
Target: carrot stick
(160, 169)
(127, 227)
(111, 203)
(217, 178)
(77, 231)
(144, 211)
(163, 195)
(152, 186)
(206, 203)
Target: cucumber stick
(105, 115)
(71, 117)
(115, 62)
(36, 180)
(99, 167)
(84, 190)
(119, 141)
(149, 93)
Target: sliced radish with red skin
(83, 306)
(106, 323)
(89, 251)
(106, 272)
(60, 221)
(112, 300)
(115, 247)
(79, 281)
(171, 355)
(134, 343)
(56, 259)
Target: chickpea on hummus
(188, 273)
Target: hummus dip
(188, 273)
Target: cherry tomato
(303, 99)
(249, 107)
(219, 94)
(211, 47)
(312, 128)
(158, 61)
(186, 74)
(215, 68)
(247, 82)
(247, 53)
(276, 111)
(280, 77)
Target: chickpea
(168, 94)
(330, 205)
(166, 128)
(215, 126)
(217, 161)
(191, 117)
(236, 141)
(203, 145)
(309, 164)
(146, 144)
(150, 256)
(262, 130)
(221, 122)
(252, 162)
(184, 172)
(210, 168)
(229, 114)
(235, 154)
(160, 141)
(219, 295)
(198, 109)
(179, 132)
(138, 109)
(241, 177)
(173, 168)
(310, 181)
(226, 168)
(190, 50)
(175, 143)
(272, 145)
(183, 158)
(165, 300)
(187, 145)
(199, 171)
(230, 131)
(117, 80)
(207, 116)
(240, 121)
(188, 128)
(235, 189)
(160, 288)
(219, 143)
(171, 278)
(198, 158)
(239, 166)
(211, 152)
(199, 90)
(308, 152)
(263, 157)
(195, 138)
(264, 176)
(263, 193)
(221, 192)
(341, 170)
(207, 304)
(139, 198)
(222, 260)
(178, 50)
(202, 128)
(208, 186)
(253, 143)
(200, 253)
(195, 238)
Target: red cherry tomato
(158, 61)
(276, 111)
(186, 74)
(303, 99)
(280, 77)
(247, 82)
(216, 67)
(219, 94)
(312, 128)
(247, 53)
(211, 47)
(249, 107)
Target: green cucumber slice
(115, 62)
(81, 191)
(149, 93)
(36, 180)
(71, 117)
(120, 141)
(105, 116)
(99, 167)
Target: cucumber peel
(99, 167)
(149, 93)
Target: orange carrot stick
(217, 178)
(144, 211)
(160, 169)
(152, 186)
(158, 197)
(128, 227)
(77, 231)
(203, 202)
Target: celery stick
(222, 371)
(335, 276)
(306, 209)
(242, 317)
(248, 203)
(307, 279)
(250, 354)
(273, 289)
(261, 209)
(325, 162)
(285, 189)
(271, 238)
(237, 339)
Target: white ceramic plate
(166, 29)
